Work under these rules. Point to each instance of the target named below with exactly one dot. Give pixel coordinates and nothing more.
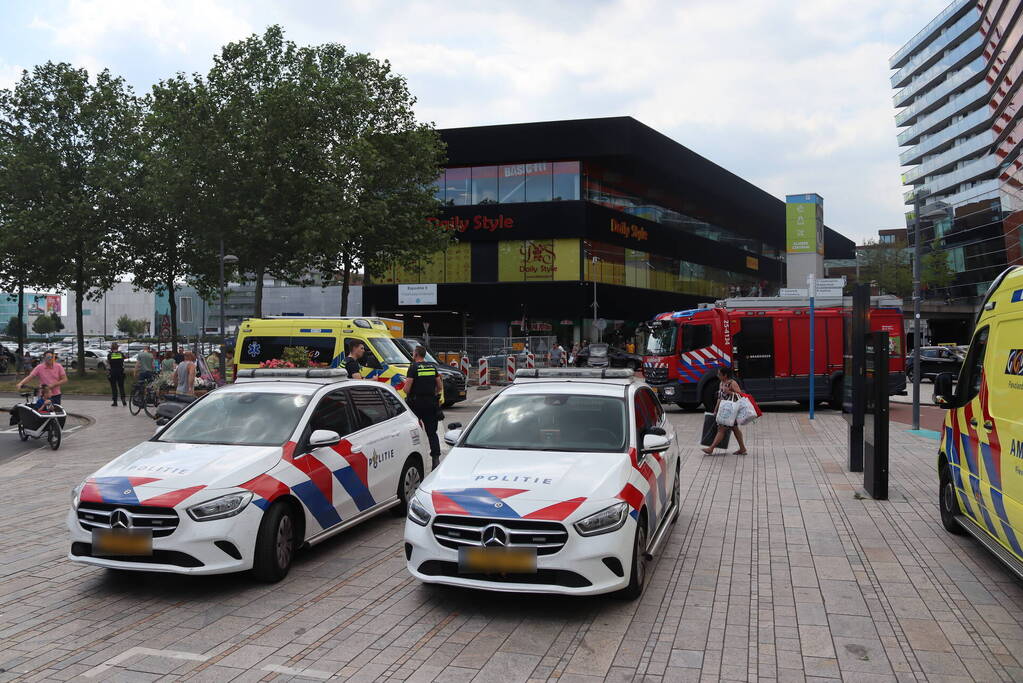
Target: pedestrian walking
(184, 375)
(49, 372)
(423, 390)
(557, 353)
(115, 374)
(351, 361)
(728, 388)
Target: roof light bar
(574, 373)
(293, 373)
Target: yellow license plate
(122, 542)
(496, 560)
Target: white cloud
(792, 95)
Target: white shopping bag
(727, 411)
(745, 412)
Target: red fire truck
(767, 340)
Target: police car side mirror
(943, 391)
(452, 435)
(323, 438)
(454, 425)
(655, 443)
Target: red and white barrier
(465, 366)
(530, 361)
(453, 364)
(484, 380)
(511, 368)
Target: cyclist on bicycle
(144, 365)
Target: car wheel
(948, 501)
(410, 479)
(676, 497)
(637, 574)
(21, 433)
(74, 365)
(101, 366)
(710, 395)
(53, 435)
(275, 543)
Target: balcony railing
(933, 25)
(955, 105)
(954, 32)
(974, 144)
(972, 44)
(974, 69)
(924, 147)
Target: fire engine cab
(767, 340)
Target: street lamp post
(223, 333)
(918, 197)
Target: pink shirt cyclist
(49, 372)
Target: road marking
(291, 671)
(132, 652)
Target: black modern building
(550, 216)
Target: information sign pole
(811, 286)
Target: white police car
(565, 482)
(248, 474)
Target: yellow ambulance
(980, 460)
(326, 340)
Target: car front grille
(547, 577)
(453, 531)
(171, 557)
(656, 375)
(163, 521)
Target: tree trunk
(259, 292)
(21, 326)
(80, 331)
(346, 272)
(173, 314)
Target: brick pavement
(777, 570)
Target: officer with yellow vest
(422, 390)
(115, 373)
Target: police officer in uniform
(351, 361)
(423, 390)
(115, 374)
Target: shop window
(484, 184)
(512, 184)
(539, 182)
(566, 180)
(457, 187)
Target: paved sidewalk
(777, 570)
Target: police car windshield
(551, 422)
(242, 418)
(386, 350)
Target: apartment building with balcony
(957, 86)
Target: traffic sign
(601, 324)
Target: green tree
(75, 143)
(936, 270)
(126, 325)
(260, 172)
(43, 325)
(175, 201)
(889, 265)
(55, 322)
(375, 166)
(16, 328)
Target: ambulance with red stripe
(767, 340)
(565, 482)
(980, 458)
(251, 473)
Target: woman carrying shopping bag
(729, 391)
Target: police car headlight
(219, 508)
(607, 520)
(417, 512)
(76, 492)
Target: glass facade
(615, 265)
(542, 181)
(454, 264)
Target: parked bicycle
(145, 395)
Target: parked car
(454, 380)
(608, 356)
(497, 360)
(249, 474)
(934, 360)
(95, 359)
(565, 482)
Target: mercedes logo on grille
(119, 519)
(494, 537)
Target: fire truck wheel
(710, 395)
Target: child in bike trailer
(44, 404)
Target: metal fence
(497, 350)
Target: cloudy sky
(792, 95)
